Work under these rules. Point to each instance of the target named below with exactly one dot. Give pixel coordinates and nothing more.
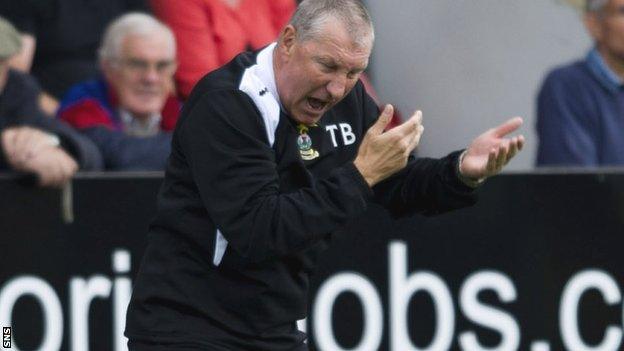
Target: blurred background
(471, 64)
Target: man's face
(142, 74)
(607, 28)
(314, 75)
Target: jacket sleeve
(225, 145)
(426, 185)
(566, 126)
(123, 152)
(80, 147)
(29, 114)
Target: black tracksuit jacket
(237, 177)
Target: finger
(9, 143)
(418, 117)
(74, 167)
(513, 149)
(491, 164)
(35, 146)
(416, 139)
(47, 168)
(502, 155)
(382, 122)
(21, 137)
(46, 176)
(69, 168)
(410, 127)
(520, 142)
(508, 127)
(21, 143)
(59, 175)
(7, 136)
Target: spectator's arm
(34, 151)
(30, 114)
(197, 51)
(565, 126)
(80, 147)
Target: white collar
(140, 128)
(265, 70)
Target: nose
(151, 75)
(337, 86)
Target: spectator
(211, 32)
(579, 108)
(130, 112)
(30, 141)
(61, 39)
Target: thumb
(383, 120)
(508, 127)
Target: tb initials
(346, 131)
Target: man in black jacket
(30, 141)
(272, 154)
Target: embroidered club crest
(304, 142)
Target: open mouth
(316, 105)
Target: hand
(491, 151)
(53, 166)
(382, 154)
(23, 143)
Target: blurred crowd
(99, 85)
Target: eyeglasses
(138, 66)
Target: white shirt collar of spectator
(140, 127)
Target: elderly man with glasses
(131, 111)
(580, 118)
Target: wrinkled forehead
(354, 30)
(333, 52)
(337, 35)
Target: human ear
(287, 39)
(593, 23)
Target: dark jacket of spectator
(579, 116)
(18, 107)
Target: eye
(354, 74)
(327, 67)
(136, 64)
